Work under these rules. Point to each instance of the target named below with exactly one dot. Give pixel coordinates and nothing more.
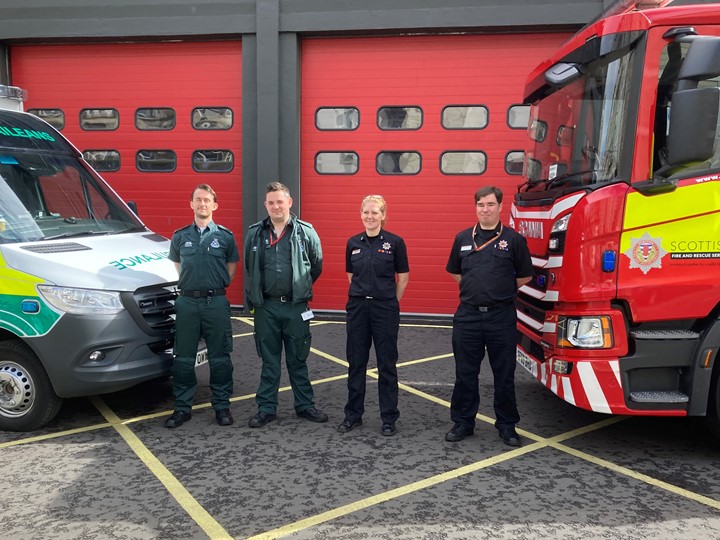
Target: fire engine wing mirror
(693, 123)
(562, 74)
(702, 61)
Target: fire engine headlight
(82, 301)
(561, 224)
(585, 332)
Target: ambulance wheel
(27, 399)
(713, 412)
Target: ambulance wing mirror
(693, 125)
(133, 206)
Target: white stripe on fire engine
(549, 327)
(551, 296)
(554, 262)
(592, 388)
(567, 391)
(532, 323)
(543, 374)
(532, 292)
(615, 366)
(557, 209)
(553, 384)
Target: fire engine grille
(533, 309)
(531, 347)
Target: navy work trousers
(473, 332)
(377, 322)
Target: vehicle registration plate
(201, 357)
(525, 361)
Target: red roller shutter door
(126, 77)
(428, 208)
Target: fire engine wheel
(27, 399)
(713, 413)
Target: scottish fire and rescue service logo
(645, 253)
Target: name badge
(307, 315)
(465, 248)
(355, 251)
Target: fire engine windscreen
(578, 126)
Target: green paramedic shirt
(203, 259)
(277, 266)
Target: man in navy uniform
(205, 255)
(490, 262)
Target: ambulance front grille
(157, 307)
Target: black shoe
(388, 429)
(458, 432)
(177, 419)
(261, 418)
(313, 415)
(510, 437)
(348, 425)
(223, 417)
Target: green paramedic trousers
(209, 318)
(277, 324)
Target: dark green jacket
(306, 256)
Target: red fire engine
(621, 211)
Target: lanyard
(273, 242)
(478, 248)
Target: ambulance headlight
(593, 332)
(82, 301)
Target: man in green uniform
(205, 255)
(283, 259)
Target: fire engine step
(659, 397)
(665, 334)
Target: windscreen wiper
(571, 177)
(77, 233)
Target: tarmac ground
(107, 468)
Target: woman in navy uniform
(377, 267)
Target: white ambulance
(86, 290)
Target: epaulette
(224, 229)
(183, 228)
(305, 223)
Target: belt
(284, 298)
(485, 309)
(202, 293)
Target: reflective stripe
(593, 391)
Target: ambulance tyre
(713, 412)
(27, 398)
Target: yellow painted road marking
(215, 530)
(394, 493)
(702, 499)
(194, 509)
(49, 436)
